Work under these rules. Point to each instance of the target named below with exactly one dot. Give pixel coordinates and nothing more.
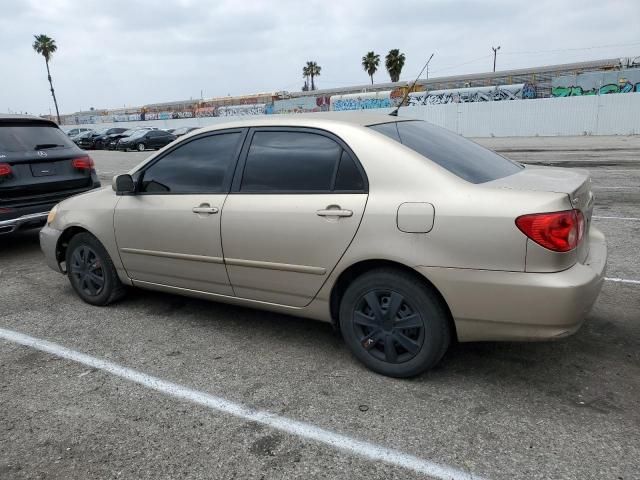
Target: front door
(295, 206)
(168, 233)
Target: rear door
(296, 203)
(39, 166)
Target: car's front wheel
(393, 323)
(91, 271)
(141, 147)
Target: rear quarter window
(22, 137)
(460, 156)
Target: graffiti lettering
(597, 83)
(478, 94)
(577, 91)
(241, 110)
(361, 101)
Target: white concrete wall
(615, 114)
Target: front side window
(287, 161)
(203, 165)
(460, 156)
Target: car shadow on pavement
(23, 241)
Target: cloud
(120, 52)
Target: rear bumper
(32, 212)
(492, 305)
(31, 220)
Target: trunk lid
(576, 184)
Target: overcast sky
(125, 52)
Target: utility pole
(428, 64)
(495, 54)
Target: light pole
(495, 53)
(428, 64)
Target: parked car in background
(75, 131)
(178, 132)
(112, 140)
(39, 167)
(404, 235)
(97, 139)
(80, 137)
(142, 140)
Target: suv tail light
(557, 231)
(83, 163)
(5, 170)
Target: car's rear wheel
(393, 323)
(141, 147)
(91, 271)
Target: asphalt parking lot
(568, 409)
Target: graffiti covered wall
(362, 101)
(305, 104)
(241, 110)
(518, 91)
(596, 83)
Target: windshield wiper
(42, 146)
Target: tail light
(5, 170)
(83, 163)
(557, 231)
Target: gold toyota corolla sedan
(404, 235)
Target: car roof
(319, 120)
(12, 117)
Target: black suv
(98, 139)
(39, 167)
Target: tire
(377, 340)
(85, 254)
(141, 147)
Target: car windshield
(460, 156)
(126, 133)
(21, 137)
(138, 133)
(102, 131)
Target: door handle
(334, 212)
(205, 208)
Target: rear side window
(280, 161)
(23, 137)
(348, 178)
(460, 156)
(203, 165)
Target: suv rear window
(23, 137)
(460, 156)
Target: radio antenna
(406, 94)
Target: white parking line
(633, 219)
(293, 427)
(622, 280)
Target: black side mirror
(124, 185)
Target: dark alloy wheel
(86, 270)
(394, 323)
(91, 271)
(388, 327)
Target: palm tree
(313, 70)
(305, 75)
(370, 64)
(394, 61)
(45, 46)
